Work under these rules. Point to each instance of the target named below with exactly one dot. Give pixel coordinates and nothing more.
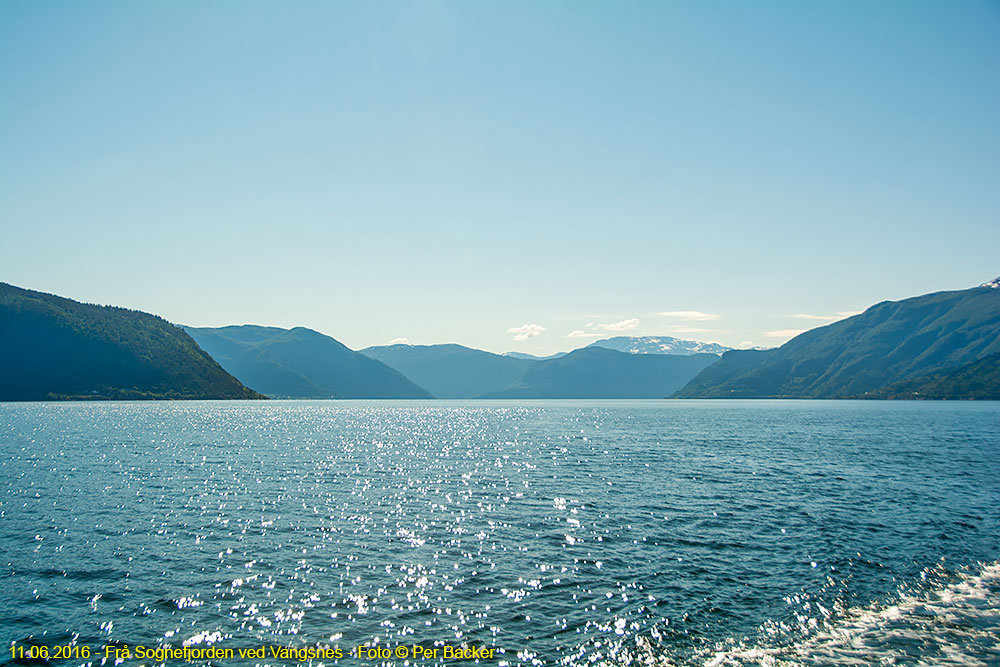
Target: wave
(948, 619)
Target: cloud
(576, 333)
(399, 341)
(785, 333)
(624, 325)
(687, 330)
(526, 331)
(816, 317)
(690, 315)
(828, 318)
(745, 344)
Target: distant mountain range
(659, 345)
(595, 372)
(452, 371)
(940, 345)
(301, 363)
(640, 345)
(56, 348)
(944, 345)
(534, 357)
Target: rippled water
(655, 532)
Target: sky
(523, 176)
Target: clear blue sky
(449, 171)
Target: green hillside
(301, 363)
(891, 342)
(56, 348)
(979, 380)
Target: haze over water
(558, 532)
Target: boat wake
(953, 621)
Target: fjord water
(562, 532)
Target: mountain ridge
(301, 363)
(942, 345)
(450, 370)
(891, 341)
(597, 372)
(659, 345)
(57, 348)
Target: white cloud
(690, 315)
(785, 333)
(816, 317)
(687, 330)
(399, 341)
(828, 318)
(624, 325)
(745, 344)
(576, 333)
(526, 331)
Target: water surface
(556, 532)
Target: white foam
(954, 623)
(957, 623)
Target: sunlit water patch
(715, 533)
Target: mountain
(659, 345)
(57, 348)
(595, 372)
(533, 357)
(641, 345)
(451, 371)
(889, 343)
(978, 380)
(301, 363)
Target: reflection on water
(719, 533)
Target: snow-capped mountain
(995, 283)
(659, 345)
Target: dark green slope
(596, 372)
(890, 342)
(979, 380)
(301, 363)
(56, 348)
(452, 371)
